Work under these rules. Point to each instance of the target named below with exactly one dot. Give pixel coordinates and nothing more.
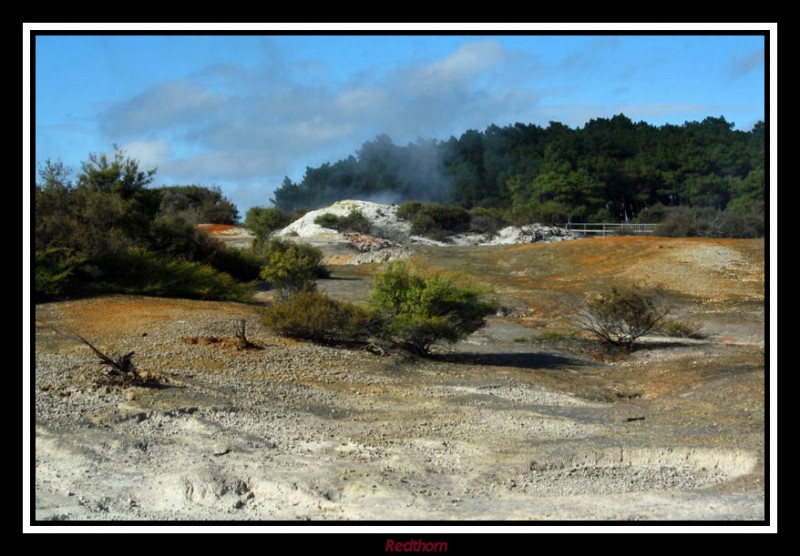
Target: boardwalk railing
(609, 229)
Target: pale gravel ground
(298, 432)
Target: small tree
(621, 316)
(292, 267)
(418, 309)
(262, 221)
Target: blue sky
(242, 112)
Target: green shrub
(176, 236)
(242, 264)
(408, 211)
(706, 222)
(310, 315)
(291, 267)
(626, 230)
(198, 204)
(149, 273)
(439, 221)
(620, 316)
(263, 221)
(418, 309)
(296, 214)
(329, 220)
(687, 222)
(746, 222)
(55, 271)
(653, 214)
(486, 221)
(355, 221)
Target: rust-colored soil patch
(213, 229)
(132, 313)
(706, 270)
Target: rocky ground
(520, 422)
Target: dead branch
(122, 368)
(240, 331)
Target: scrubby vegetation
(619, 317)
(417, 309)
(108, 231)
(262, 221)
(355, 221)
(433, 220)
(437, 221)
(706, 222)
(310, 315)
(291, 267)
(610, 170)
(198, 205)
(409, 309)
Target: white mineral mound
(383, 218)
(386, 224)
(534, 233)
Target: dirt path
(507, 426)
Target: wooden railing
(608, 229)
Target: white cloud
(168, 104)
(457, 70)
(244, 126)
(149, 153)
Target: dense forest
(608, 170)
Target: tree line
(608, 170)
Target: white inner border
(427, 28)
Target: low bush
(291, 267)
(619, 317)
(487, 221)
(418, 309)
(355, 221)
(310, 315)
(242, 264)
(55, 272)
(329, 220)
(439, 221)
(262, 221)
(706, 222)
(175, 236)
(408, 211)
(653, 214)
(147, 273)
